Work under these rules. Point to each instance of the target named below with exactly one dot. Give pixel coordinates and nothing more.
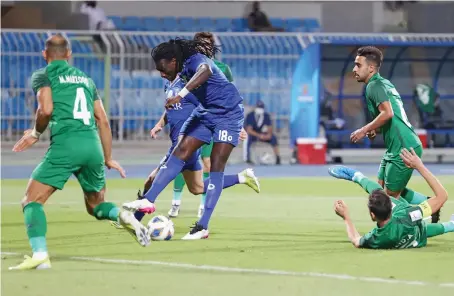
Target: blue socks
(229, 181)
(166, 174)
(214, 190)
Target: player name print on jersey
(73, 79)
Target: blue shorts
(192, 164)
(222, 128)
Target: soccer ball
(160, 228)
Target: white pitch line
(254, 271)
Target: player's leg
(435, 229)
(381, 173)
(346, 173)
(45, 180)
(206, 163)
(225, 137)
(195, 136)
(178, 185)
(192, 173)
(249, 142)
(92, 180)
(273, 142)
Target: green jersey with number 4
(73, 96)
(398, 132)
(405, 229)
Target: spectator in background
(259, 128)
(96, 17)
(259, 22)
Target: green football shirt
(73, 96)
(398, 132)
(406, 229)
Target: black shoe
(436, 215)
(278, 160)
(196, 228)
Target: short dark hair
(380, 204)
(57, 45)
(372, 54)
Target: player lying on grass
(219, 116)
(69, 102)
(205, 151)
(399, 224)
(175, 117)
(386, 108)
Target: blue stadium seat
(117, 20)
(223, 25)
(186, 24)
(132, 23)
(169, 24)
(295, 25)
(311, 24)
(151, 24)
(206, 24)
(239, 25)
(278, 22)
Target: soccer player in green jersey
(400, 225)
(386, 107)
(69, 103)
(205, 154)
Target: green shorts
(82, 158)
(394, 173)
(206, 150)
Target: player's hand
(243, 134)
(371, 135)
(357, 135)
(155, 131)
(410, 158)
(112, 164)
(25, 142)
(341, 209)
(172, 101)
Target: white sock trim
(241, 178)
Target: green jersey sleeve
(368, 240)
(377, 93)
(228, 73)
(94, 90)
(39, 79)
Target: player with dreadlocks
(219, 116)
(205, 151)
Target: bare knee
(37, 192)
(182, 152)
(196, 189)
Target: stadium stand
(187, 24)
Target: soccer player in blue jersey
(219, 116)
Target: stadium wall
(210, 8)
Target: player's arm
(380, 98)
(44, 111)
(159, 125)
(202, 74)
(105, 132)
(440, 194)
(341, 210)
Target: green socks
(204, 195)
(178, 185)
(413, 197)
(367, 184)
(36, 224)
(106, 211)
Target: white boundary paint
(253, 271)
